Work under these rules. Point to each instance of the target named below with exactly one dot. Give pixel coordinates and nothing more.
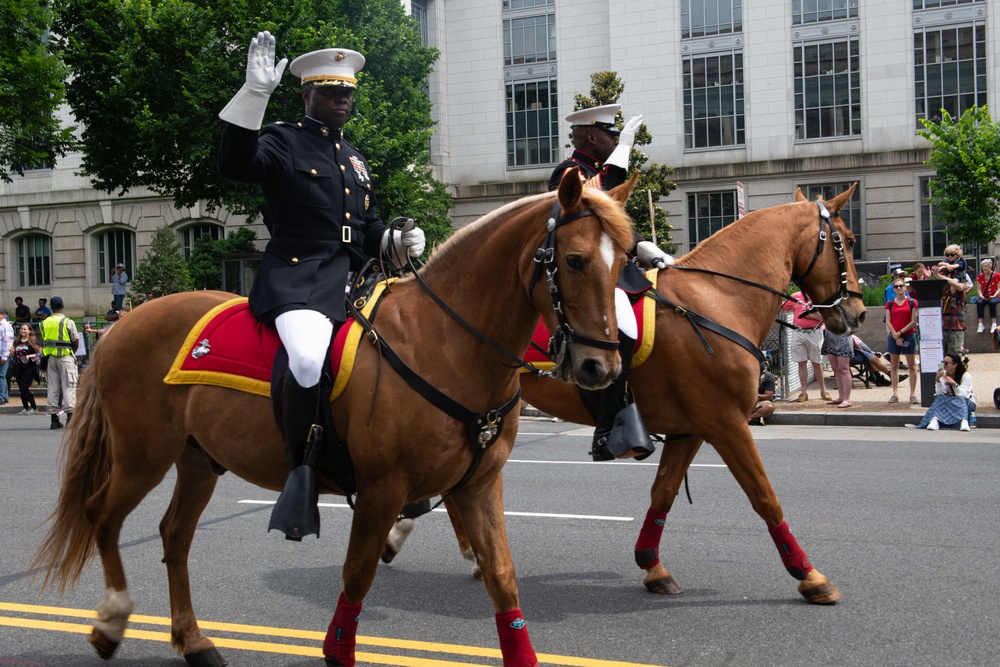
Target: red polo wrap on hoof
(515, 645)
(792, 555)
(647, 546)
(340, 636)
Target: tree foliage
(163, 269)
(966, 158)
(31, 90)
(205, 263)
(150, 79)
(606, 88)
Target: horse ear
(838, 202)
(799, 196)
(622, 192)
(570, 189)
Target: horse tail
(85, 466)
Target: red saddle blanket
(645, 318)
(229, 348)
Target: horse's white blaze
(607, 250)
(112, 614)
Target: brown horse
(113, 457)
(768, 247)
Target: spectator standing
(25, 354)
(988, 282)
(118, 280)
(59, 340)
(953, 311)
(953, 397)
(889, 294)
(6, 341)
(765, 398)
(838, 350)
(42, 311)
(22, 313)
(806, 343)
(901, 325)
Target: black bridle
(545, 257)
(838, 245)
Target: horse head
(581, 254)
(824, 265)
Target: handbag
(44, 363)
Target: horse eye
(574, 262)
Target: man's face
(41, 303)
(330, 105)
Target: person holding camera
(118, 280)
(954, 401)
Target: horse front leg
(375, 511)
(674, 463)
(736, 446)
(481, 513)
(194, 487)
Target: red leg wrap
(792, 555)
(341, 635)
(515, 644)
(647, 547)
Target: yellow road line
(291, 633)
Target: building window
(418, 10)
(934, 4)
(933, 234)
(34, 261)
(532, 123)
(710, 17)
(950, 69)
(850, 214)
(814, 11)
(193, 232)
(827, 90)
(713, 101)
(114, 247)
(708, 212)
(529, 39)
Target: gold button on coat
(312, 171)
(295, 259)
(347, 191)
(343, 168)
(347, 215)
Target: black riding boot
(295, 514)
(616, 414)
(55, 423)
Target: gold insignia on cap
(340, 56)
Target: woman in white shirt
(953, 399)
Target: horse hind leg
(194, 487)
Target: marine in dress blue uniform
(321, 214)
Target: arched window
(193, 232)
(114, 247)
(34, 261)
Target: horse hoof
(105, 647)
(207, 658)
(661, 582)
(388, 554)
(817, 589)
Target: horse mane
(614, 221)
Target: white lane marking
(620, 464)
(544, 515)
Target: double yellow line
(29, 614)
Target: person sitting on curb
(765, 398)
(954, 401)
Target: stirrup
(629, 437)
(296, 513)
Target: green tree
(31, 90)
(606, 88)
(150, 78)
(966, 158)
(205, 263)
(163, 269)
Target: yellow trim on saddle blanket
(176, 375)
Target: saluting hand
(263, 76)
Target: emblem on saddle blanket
(229, 348)
(645, 317)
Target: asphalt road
(903, 522)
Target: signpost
(931, 337)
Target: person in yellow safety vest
(59, 341)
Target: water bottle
(972, 421)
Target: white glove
(626, 139)
(650, 256)
(247, 107)
(400, 243)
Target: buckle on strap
(345, 234)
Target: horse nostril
(592, 370)
(862, 316)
